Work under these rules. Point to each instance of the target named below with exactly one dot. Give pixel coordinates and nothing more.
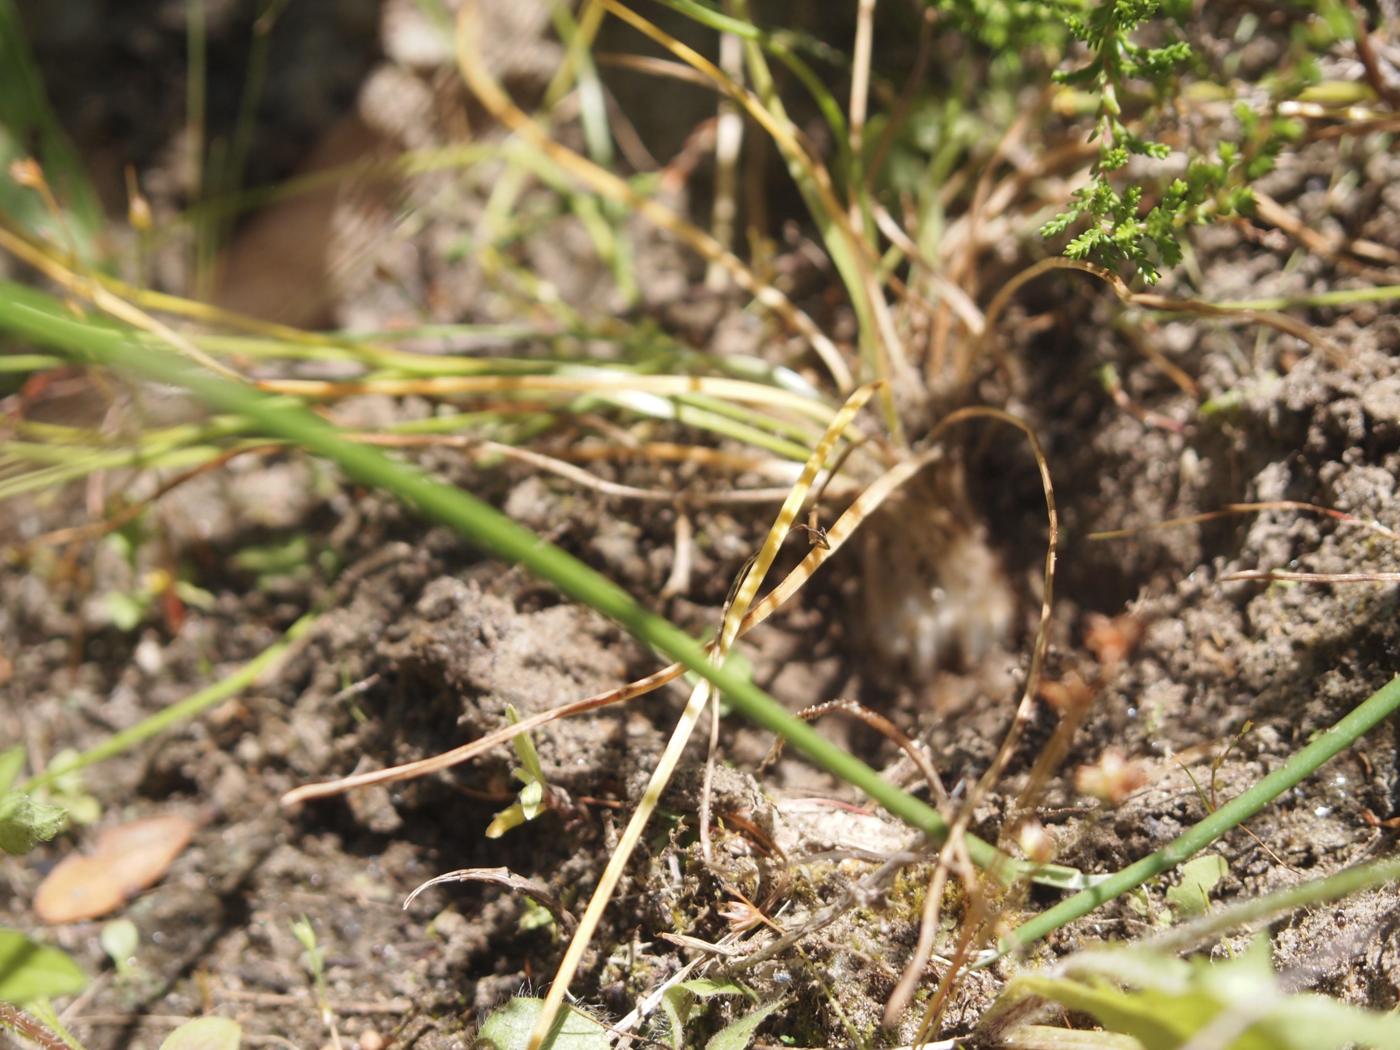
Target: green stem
(178, 712)
(39, 317)
(1337, 297)
(1239, 809)
(1315, 891)
(28, 362)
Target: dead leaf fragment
(126, 859)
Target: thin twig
(1280, 576)
(511, 881)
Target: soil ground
(421, 645)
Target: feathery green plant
(1117, 232)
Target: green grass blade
(187, 708)
(1365, 717)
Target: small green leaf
(120, 939)
(205, 1033)
(510, 817)
(531, 799)
(525, 749)
(312, 958)
(26, 822)
(682, 1003)
(1191, 896)
(29, 970)
(509, 1028)
(534, 916)
(738, 1035)
(126, 611)
(68, 788)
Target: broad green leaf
(1158, 1022)
(205, 1033)
(11, 762)
(738, 1035)
(1191, 896)
(29, 970)
(1168, 1007)
(509, 1028)
(25, 822)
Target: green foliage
(29, 818)
(30, 971)
(1008, 24)
(1117, 232)
(509, 1028)
(25, 822)
(205, 1033)
(1166, 1003)
(684, 1002)
(531, 799)
(128, 609)
(313, 959)
(739, 1034)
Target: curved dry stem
(1148, 301)
(610, 186)
(1026, 708)
(879, 723)
(953, 852)
(511, 881)
(952, 857)
(1280, 576)
(958, 301)
(1232, 509)
(499, 738)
